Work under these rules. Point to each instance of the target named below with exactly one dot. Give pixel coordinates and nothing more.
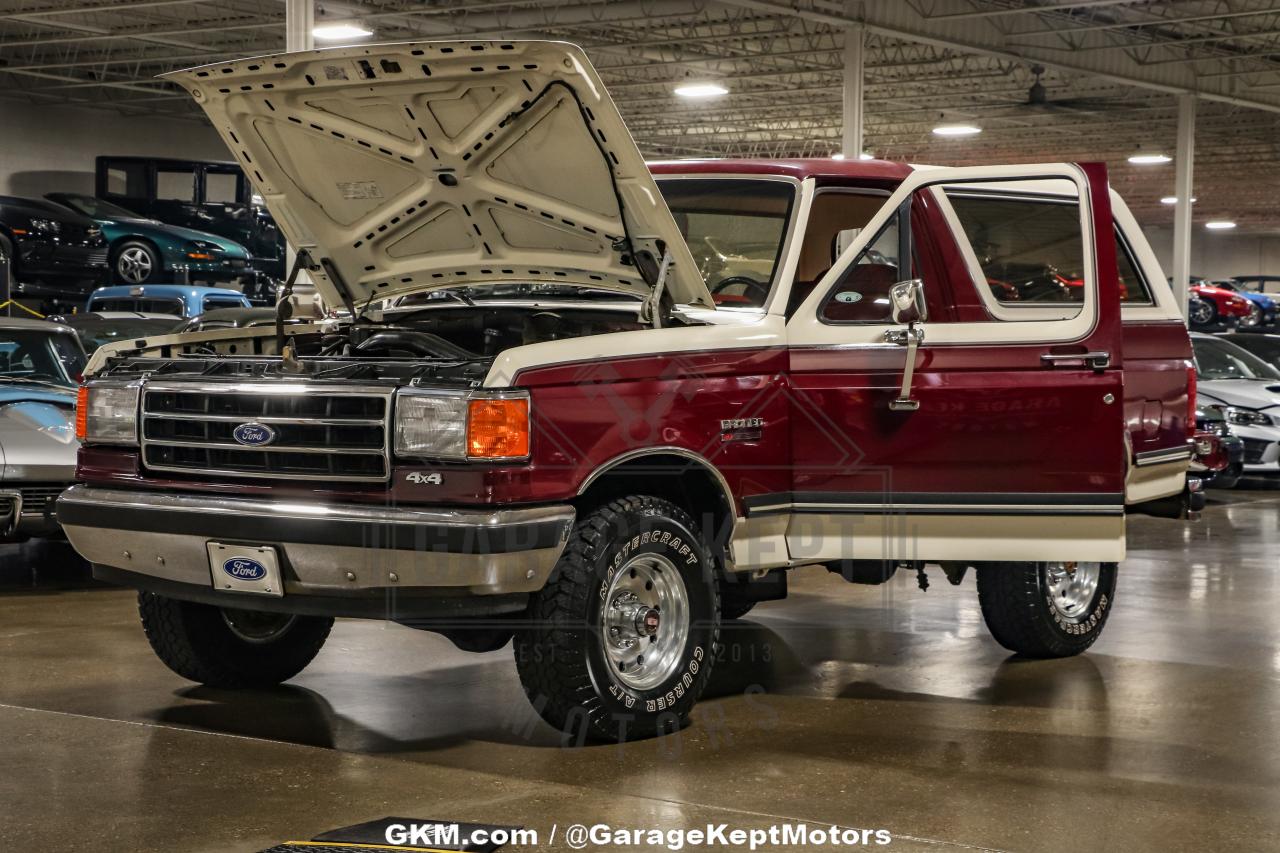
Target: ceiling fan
(1038, 99)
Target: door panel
(1017, 448)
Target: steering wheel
(758, 288)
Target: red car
(575, 439)
(1216, 305)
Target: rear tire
(1046, 610)
(1227, 478)
(635, 580)
(222, 647)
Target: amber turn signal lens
(498, 429)
(82, 412)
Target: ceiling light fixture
(1173, 199)
(701, 90)
(339, 32)
(837, 156)
(956, 130)
(866, 155)
(1220, 225)
(1150, 159)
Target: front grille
(97, 257)
(1254, 450)
(38, 498)
(319, 433)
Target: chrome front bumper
(331, 550)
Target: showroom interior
(395, 462)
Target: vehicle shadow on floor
(440, 707)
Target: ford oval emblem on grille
(254, 435)
(244, 569)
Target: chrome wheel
(1201, 312)
(1071, 587)
(1254, 318)
(134, 265)
(254, 626)
(644, 621)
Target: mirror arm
(911, 336)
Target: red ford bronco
(600, 406)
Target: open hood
(418, 166)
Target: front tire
(622, 638)
(135, 262)
(1203, 313)
(230, 648)
(1046, 610)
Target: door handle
(1098, 360)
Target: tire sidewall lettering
(677, 691)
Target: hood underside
(418, 166)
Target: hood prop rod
(651, 309)
(284, 308)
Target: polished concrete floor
(866, 707)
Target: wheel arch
(681, 476)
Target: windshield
(1216, 359)
(39, 356)
(735, 229)
(96, 208)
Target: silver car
(40, 366)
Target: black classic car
(57, 255)
(203, 195)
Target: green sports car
(144, 251)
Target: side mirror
(906, 299)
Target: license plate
(245, 568)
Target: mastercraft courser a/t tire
(229, 648)
(635, 580)
(1025, 605)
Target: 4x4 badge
(435, 478)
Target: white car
(1248, 390)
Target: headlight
(46, 226)
(107, 414)
(1204, 446)
(462, 426)
(1247, 417)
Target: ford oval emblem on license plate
(244, 569)
(254, 435)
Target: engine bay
(450, 343)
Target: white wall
(1218, 254)
(51, 148)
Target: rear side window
(221, 187)
(149, 305)
(128, 180)
(176, 185)
(1134, 289)
(212, 302)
